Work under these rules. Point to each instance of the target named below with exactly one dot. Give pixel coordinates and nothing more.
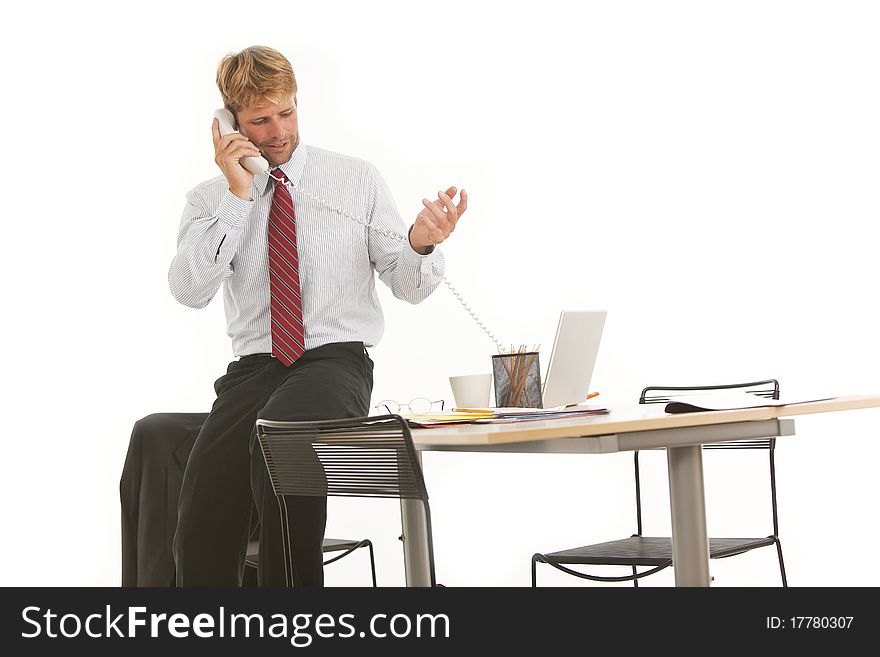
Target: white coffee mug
(471, 390)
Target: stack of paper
(497, 415)
(447, 417)
(519, 414)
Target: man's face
(272, 127)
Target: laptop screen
(574, 357)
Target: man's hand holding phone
(228, 150)
(435, 223)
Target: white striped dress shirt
(223, 241)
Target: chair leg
(367, 543)
(781, 562)
(286, 543)
(372, 562)
(635, 580)
(534, 574)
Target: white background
(705, 171)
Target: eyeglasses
(418, 406)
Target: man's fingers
(234, 138)
(230, 153)
(435, 233)
(237, 150)
(237, 147)
(437, 213)
(236, 153)
(462, 205)
(451, 210)
(215, 132)
(223, 141)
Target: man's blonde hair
(254, 74)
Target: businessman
(301, 309)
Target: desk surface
(623, 419)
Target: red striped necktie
(288, 337)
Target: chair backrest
(354, 457)
(768, 388)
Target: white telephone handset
(256, 165)
(259, 166)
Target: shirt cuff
(234, 211)
(423, 263)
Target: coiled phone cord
(393, 235)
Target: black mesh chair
(655, 553)
(355, 457)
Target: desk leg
(690, 545)
(416, 562)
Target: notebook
(573, 357)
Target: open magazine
(728, 401)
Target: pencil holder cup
(517, 378)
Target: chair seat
(649, 551)
(330, 545)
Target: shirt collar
(293, 169)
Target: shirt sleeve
(206, 244)
(410, 275)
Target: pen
(589, 396)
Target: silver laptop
(573, 358)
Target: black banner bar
(431, 621)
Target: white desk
(626, 428)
